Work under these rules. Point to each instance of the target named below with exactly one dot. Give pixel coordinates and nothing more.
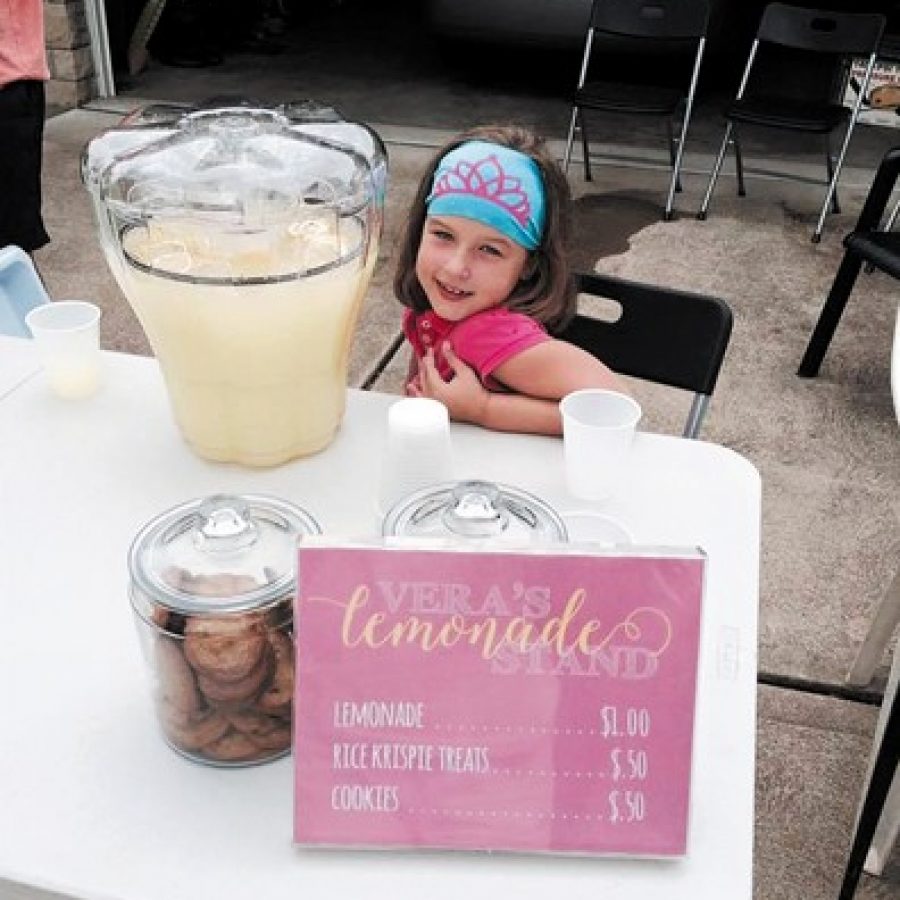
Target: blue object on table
(20, 291)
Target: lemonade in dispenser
(245, 246)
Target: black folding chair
(671, 337)
(869, 242)
(660, 23)
(835, 35)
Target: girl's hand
(414, 386)
(464, 395)
(413, 383)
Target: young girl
(483, 274)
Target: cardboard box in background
(881, 105)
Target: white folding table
(94, 804)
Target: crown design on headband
(486, 179)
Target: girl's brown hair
(545, 291)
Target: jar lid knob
(476, 509)
(224, 525)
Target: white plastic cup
(417, 450)
(598, 430)
(67, 338)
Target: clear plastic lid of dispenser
(233, 193)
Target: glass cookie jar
(475, 511)
(212, 586)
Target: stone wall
(68, 53)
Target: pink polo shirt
(22, 52)
(484, 341)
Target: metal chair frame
(670, 21)
(870, 243)
(822, 31)
(671, 337)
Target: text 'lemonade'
(252, 329)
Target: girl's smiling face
(466, 267)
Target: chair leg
(584, 145)
(673, 155)
(696, 415)
(832, 186)
(887, 618)
(567, 158)
(883, 773)
(886, 833)
(739, 165)
(892, 218)
(674, 181)
(829, 165)
(887, 828)
(831, 314)
(714, 175)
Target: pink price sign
(481, 700)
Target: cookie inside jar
(212, 586)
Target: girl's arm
(539, 376)
(555, 368)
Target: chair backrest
(657, 19)
(672, 337)
(820, 30)
(20, 291)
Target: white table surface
(15, 365)
(94, 804)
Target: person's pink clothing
(23, 56)
(484, 341)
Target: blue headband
(495, 185)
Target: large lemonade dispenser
(245, 243)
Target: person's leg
(22, 110)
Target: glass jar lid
(219, 554)
(474, 510)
